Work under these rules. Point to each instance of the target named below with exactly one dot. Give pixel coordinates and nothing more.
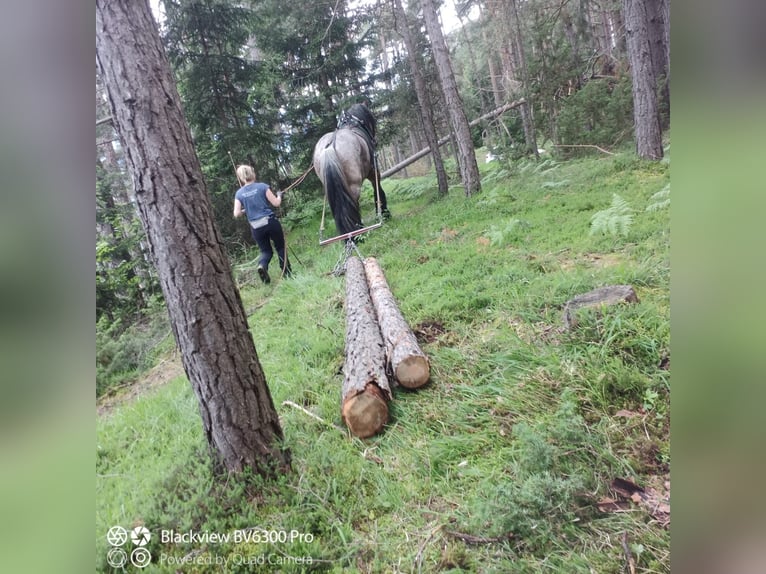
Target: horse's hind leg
(381, 205)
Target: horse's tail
(345, 209)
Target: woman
(256, 200)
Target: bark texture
(646, 104)
(407, 361)
(366, 390)
(609, 295)
(469, 169)
(206, 313)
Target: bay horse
(343, 159)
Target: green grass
(516, 432)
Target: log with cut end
(408, 362)
(609, 295)
(366, 391)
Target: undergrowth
(500, 462)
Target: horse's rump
(342, 162)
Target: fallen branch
(628, 553)
(312, 415)
(419, 555)
(425, 151)
(585, 145)
(470, 539)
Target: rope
(284, 235)
(292, 185)
(299, 180)
(321, 224)
(378, 208)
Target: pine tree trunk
(646, 109)
(366, 391)
(206, 312)
(469, 169)
(658, 24)
(407, 361)
(426, 113)
(527, 118)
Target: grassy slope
(517, 432)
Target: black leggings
(264, 236)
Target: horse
(343, 159)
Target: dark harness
(363, 128)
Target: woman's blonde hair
(245, 173)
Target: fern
(410, 189)
(555, 184)
(616, 220)
(546, 165)
(501, 235)
(495, 176)
(661, 199)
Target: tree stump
(609, 295)
(408, 362)
(366, 391)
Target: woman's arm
(238, 208)
(275, 200)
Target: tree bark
(206, 312)
(603, 296)
(366, 390)
(497, 92)
(426, 113)
(469, 169)
(527, 118)
(646, 108)
(406, 360)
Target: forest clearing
(506, 461)
(471, 374)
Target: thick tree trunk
(407, 361)
(646, 108)
(658, 24)
(206, 312)
(469, 169)
(426, 113)
(366, 391)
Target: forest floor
(534, 448)
(168, 367)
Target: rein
(299, 180)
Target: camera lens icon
(140, 557)
(140, 536)
(117, 558)
(117, 536)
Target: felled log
(366, 391)
(609, 295)
(425, 151)
(408, 362)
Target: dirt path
(167, 370)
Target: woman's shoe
(263, 274)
